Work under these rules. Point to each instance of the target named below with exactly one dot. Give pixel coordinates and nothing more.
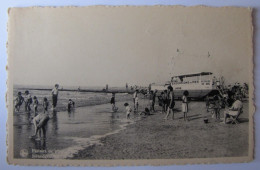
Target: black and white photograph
(159, 85)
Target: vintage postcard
(130, 85)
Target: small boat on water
(199, 85)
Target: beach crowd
(229, 99)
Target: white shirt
(55, 91)
(136, 100)
(184, 99)
(135, 95)
(237, 105)
(27, 97)
(128, 109)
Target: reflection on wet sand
(40, 144)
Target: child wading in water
(35, 105)
(18, 101)
(45, 105)
(128, 110)
(28, 101)
(71, 104)
(185, 104)
(113, 103)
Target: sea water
(67, 132)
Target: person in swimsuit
(71, 104)
(165, 101)
(55, 92)
(18, 101)
(28, 101)
(45, 105)
(40, 121)
(134, 96)
(185, 104)
(171, 103)
(128, 110)
(35, 105)
(113, 102)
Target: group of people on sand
(166, 101)
(229, 99)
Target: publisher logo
(24, 153)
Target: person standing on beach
(185, 104)
(165, 101)
(161, 102)
(171, 102)
(55, 92)
(151, 101)
(154, 97)
(28, 101)
(207, 102)
(217, 107)
(135, 96)
(136, 105)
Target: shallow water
(67, 132)
(80, 98)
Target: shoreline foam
(82, 143)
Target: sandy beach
(152, 137)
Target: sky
(98, 46)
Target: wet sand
(152, 137)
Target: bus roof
(194, 74)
